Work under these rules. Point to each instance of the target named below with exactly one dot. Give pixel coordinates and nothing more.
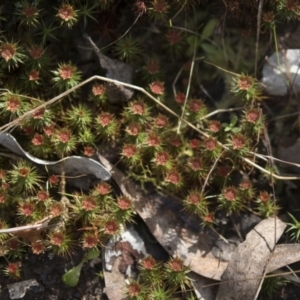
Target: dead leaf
(284, 255)
(241, 280)
(116, 70)
(78, 168)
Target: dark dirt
(48, 270)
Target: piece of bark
(242, 278)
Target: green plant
(28, 14)
(159, 281)
(67, 15)
(71, 277)
(24, 177)
(293, 228)
(271, 286)
(266, 205)
(66, 76)
(128, 48)
(247, 88)
(61, 243)
(12, 54)
(13, 270)
(176, 273)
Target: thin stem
(122, 34)
(40, 224)
(277, 54)
(259, 13)
(189, 86)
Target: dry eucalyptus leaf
(116, 70)
(71, 165)
(173, 230)
(284, 255)
(241, 280)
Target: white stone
(279, 79)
